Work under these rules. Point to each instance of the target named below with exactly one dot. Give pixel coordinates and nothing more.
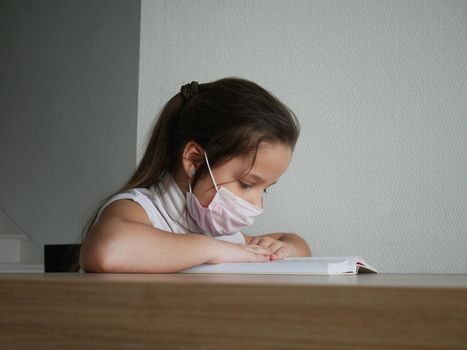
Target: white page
(291, 266)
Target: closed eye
(245, 185)
(250, 186)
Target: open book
(347, 265)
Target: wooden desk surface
(368, 280)
(209, 311)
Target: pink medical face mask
(225, 215)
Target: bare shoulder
(95, 243)
(126, 209)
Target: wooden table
(194, 311)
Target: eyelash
(245, 185)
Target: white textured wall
(380, 89)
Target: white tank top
(165, 205)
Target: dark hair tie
(189, 90)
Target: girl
(214, 150)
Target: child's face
(272, 160)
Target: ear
(191, 157)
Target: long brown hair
(227, 117)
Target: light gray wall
(380, 89)
(68, 89)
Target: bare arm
(124, 241)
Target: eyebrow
(258, 178)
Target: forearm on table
(125, 246)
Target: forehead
(272, 160)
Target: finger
(275, 246)
(255, 240)
(279, 254)
(265, 241)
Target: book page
(291, 266)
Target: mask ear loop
(192, 173)
(210, 172)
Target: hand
(278, 248)
(231, 252)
